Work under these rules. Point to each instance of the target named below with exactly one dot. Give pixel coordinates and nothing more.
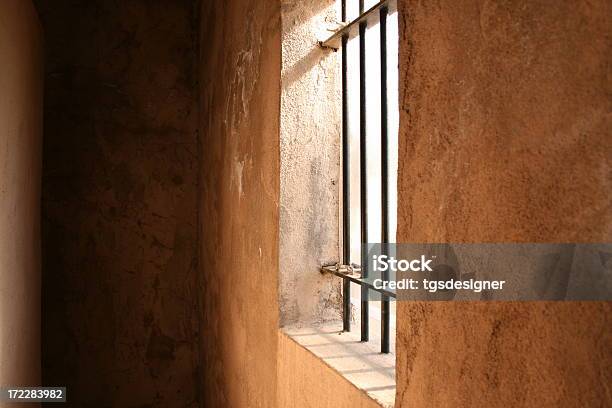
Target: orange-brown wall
(21, 88)
(120, 322)
(239, 131)
(505, 137)
(246, 360)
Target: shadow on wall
(120, 321)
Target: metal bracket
(350, 29)
(352, 269)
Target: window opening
(368, 44)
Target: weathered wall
(505, 136)
(21, 86)
(309, 162)
(246, 360)
(240, 65)
(120, 325)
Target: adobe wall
(239, 172)
(505, 137)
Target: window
(368, 44)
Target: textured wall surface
(246, 360)
(310, 154)
(120, 324)
(21, 86)
(240, 64)
(505, 136)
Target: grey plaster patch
(310, 143)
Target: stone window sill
(360, 363)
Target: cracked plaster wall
(309, 164)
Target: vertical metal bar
(346, 203)
(365, 312)
(384, 136)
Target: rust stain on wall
(505, 137)
(120, 321)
